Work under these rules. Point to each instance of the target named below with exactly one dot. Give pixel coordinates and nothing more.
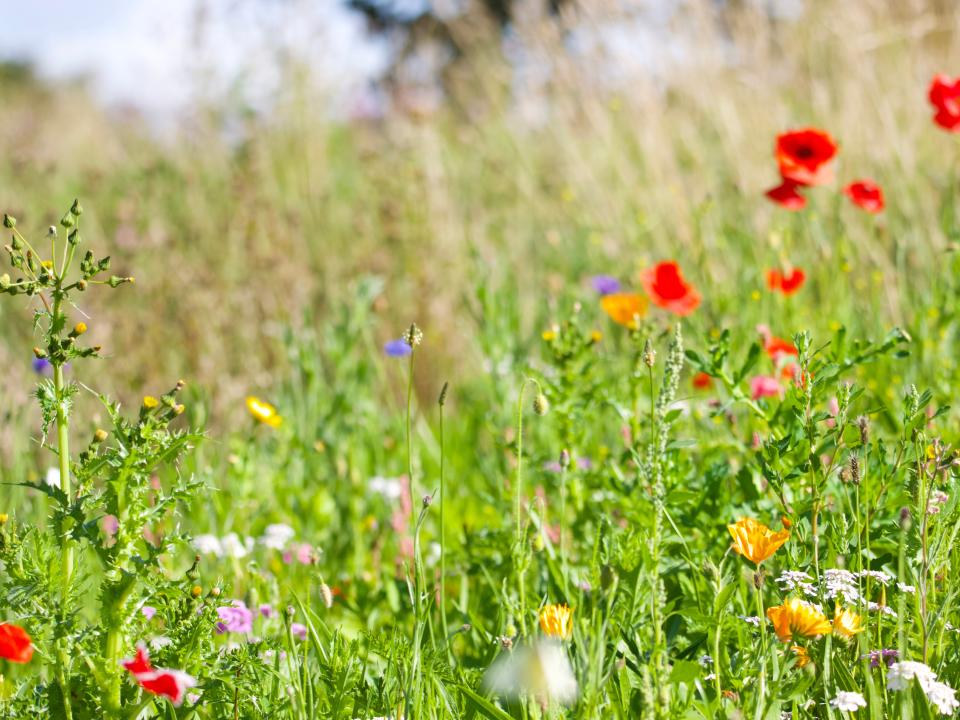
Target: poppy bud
(326, 594)
(540, 404)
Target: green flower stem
(520, 550)
(763, 653)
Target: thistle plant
(109, 479)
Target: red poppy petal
(787, 196)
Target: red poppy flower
(15, 644)
(787, 283)
(171, 684)
(701, 381)
(866, 195)
(804, 155)
(787, 195)
(666, 287)
(778, 348)
(944, 94)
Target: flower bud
(540, 404)
(81, 285)
(76, 210)
(326, 594)
(215, 592)
(649, 354)
(9, 221)
(195, 591)
(537, 542)
(4, 518)
(100, 435)
(427, 500)
(39, 353)
(413, 336)
(79, 329)
(564, 458)
(179, 409)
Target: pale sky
(150, 53)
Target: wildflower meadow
(640, 412)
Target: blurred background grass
(480, 209)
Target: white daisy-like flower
(389, 488)
(208, 545)
(900, 674)
(906, 588)
(234, 547)
(277, 536)
(883, 609)
(943, 696)
(52, 478)
(542, 670)
(848, 701)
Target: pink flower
(299, 631)
(833, 407)
(109, 524)
(148, 612)
(762, 386)
(171, 684)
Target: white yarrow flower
(236, 548)
(848, 701)
(277, 536)
(208, 545)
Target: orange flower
(755, 541)
(557, 621)
(804, 156)
(803, 657)
(787, 283)
(624, 308)
(798, 617)
(701, 381)
(15, 644)
(665, 285)
(778, 348)
(846, 623)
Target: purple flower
(299, 631)
(235, 618)
(267, 611)
(148, 612)
(887, 655)
(397, 348)
(605, 284)
(43, 367)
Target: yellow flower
(754, 540)
(596, 336)
(798, 617)
(846, 623)
(264, 412)
(549, 335)
(150, 402)
(80, 328)
(624, 308)
(557, 621)
(803, 657)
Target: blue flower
(605, 284)
(397, 348)
(42, 366)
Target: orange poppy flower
(667, 289)
(803, 657)
(804, 156)
(787, 283)
(787, 195)
(944, 95)
(866, 195)
(778, 348)
(755, 541)
(846, 623)
(701, 381)
(798, 617)
(15, 644)
(624, 308)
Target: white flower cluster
(796, 580)
(841, 583)
(848, 701)
(275, 537)
(940, 694)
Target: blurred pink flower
(762, 386)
